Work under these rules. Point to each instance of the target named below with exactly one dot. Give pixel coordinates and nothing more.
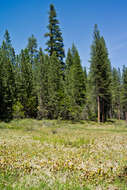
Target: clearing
(61, 155)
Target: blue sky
(77, 18)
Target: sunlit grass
(63, 155)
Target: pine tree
(90, 109)
(8, 47)
(101, 75)
(55, 88)
(10, 54)
(41, 82)
(116, 93)
(7, 81)
(32, 48)
(75, 84)
(85, 74)
(124, 92)
(55, 42)
(27, 91)
(79, 87)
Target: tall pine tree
(41, 82)
(101, 75)
(55, 40)
(7, 80)
(75, 86)
(27, 91)
(116, 93)
(55, 88)
(124, 92)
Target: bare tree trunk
(126, 116)
(110, 115)
(98, 102)
(118, 112)
(103, 113)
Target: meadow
(63, 155)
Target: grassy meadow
(62, 155)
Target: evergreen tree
(32, 44)
(79, 87)
(55, 88)
(28, 95)
(33, 84)
(7, 83)
(90, 109)
(18, 109)
(55, 41)
(69, 112)
(101, 75)
(32, 48)
(85, 74)
(41, 78)
(75, 84)
(10, 54)
(124, 92)
(116, 93)
(8, 47)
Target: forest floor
(61, 155)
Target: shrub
(18, 110)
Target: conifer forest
(47, 84)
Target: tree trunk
(110, 114)
(126, 116)
(103, 112)
(98, 102)
(118, 112)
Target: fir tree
(124, 92)
(85, 74)
(75, 84)
(27, 91)
(32, 48)
(116, 93)
(55, 88)
(7, 83)
(8, 47)
(101, 75)
(55, 41)
(41, 82)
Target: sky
(23, 18)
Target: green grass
(58, 155)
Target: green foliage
(27, 91)
(55, 42)
(32, 45)
(7, 81)
(32, 49)
(124, 91)
(38, 85)
(75, 85)
(18, 111)
(100, 73)
(55, 88)
(41, 83)
(116, 93)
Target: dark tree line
(49, 85)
